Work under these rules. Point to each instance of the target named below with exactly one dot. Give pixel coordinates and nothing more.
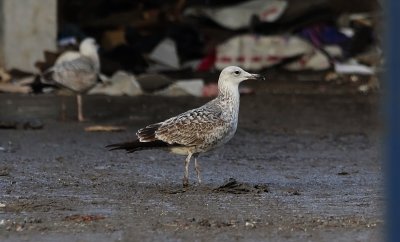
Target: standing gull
(78, 73)
(198, 130)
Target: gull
(77, 71)
(198, 130)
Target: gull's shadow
(232, 186)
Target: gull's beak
(251, 76)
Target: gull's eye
(236, 73)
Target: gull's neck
(96, 61)
(92, 54)
(228, 97)
(228, 90)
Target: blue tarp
(392, 110)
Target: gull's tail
(136, 145)
(38, 86)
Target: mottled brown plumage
(198, 130)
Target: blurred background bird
(76, 71)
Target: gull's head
(88, 47)
(234, 75)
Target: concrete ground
(300, 168)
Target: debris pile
(176, 47)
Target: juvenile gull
(198, 130)
(78, 73)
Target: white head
(88, 47)
(233, 75)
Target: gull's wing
(191, 128)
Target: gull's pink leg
(197, 168)
(186, 174)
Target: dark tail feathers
(38, 85)
(47, 77)
(148, 133)
(136, 145)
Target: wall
(27, 28)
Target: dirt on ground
(300, 168)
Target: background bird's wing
(78, 74)
(191, 128)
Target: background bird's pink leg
(63, 116)
(80, 112)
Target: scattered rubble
(32, 123)
(121, 83)
(239, 16)
(256, 52)
(84, 218)
(192, 87)
(104, 128)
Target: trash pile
(177, 47)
